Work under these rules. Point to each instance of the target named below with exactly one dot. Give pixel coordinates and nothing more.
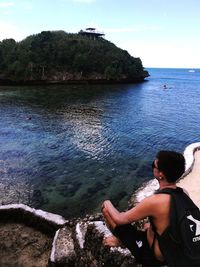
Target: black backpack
(180, 242)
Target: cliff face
(61, 57)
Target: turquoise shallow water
(66, 148)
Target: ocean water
(67, 148)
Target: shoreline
(70, 82)
(189, 180)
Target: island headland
(66, 58)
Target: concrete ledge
(75, 243)
(45, 221)
(189, 157)
(63, 252)
(190, 181)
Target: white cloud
(9, 30)
(7, 4)
(27, 6)
(164, 54)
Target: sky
(163, 33)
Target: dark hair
(172, 164)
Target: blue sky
(163, 33)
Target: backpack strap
(176, 242)
(173, 209)
(155, 233)
(169, 191)
(178, 197)
(173, 192)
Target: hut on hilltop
(92, 33)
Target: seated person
(167, 168)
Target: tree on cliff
(49, 54)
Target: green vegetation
(60, 56)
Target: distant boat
(191, 70)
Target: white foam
(146, 190)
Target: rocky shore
(75, 78)
(31, 237)
(21, 245)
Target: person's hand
(105, 204)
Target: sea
(66, 148)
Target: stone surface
(63, 252)
(101, 255)
(44, 221)
(81, 229)
(23, 246)
(82, 246)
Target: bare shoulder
(154, 206)
(158, 202)
(153, 199)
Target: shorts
(136, 241)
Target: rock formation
(74, 243)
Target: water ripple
(70, 148)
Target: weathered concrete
(191, 179)
(63, 252)
(75, 243)
(42, 220)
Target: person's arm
(141, 211)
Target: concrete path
(191, 182)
